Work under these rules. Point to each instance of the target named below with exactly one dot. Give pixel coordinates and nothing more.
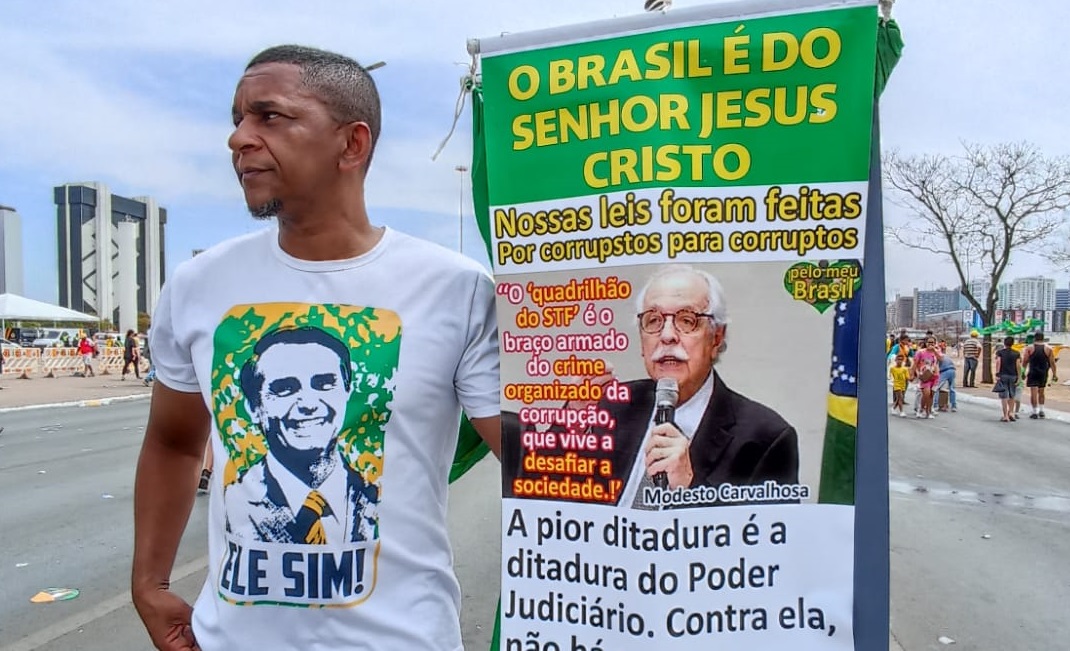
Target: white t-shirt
(372, 359)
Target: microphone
(665, 396)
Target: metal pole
(460, 210)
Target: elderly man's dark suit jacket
(738, 440)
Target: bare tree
(979, 208)
(1059, 253)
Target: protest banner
(678, 208)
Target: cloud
(122, 102)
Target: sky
(137, 95)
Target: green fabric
(889, 51)
(471, 449)
(480, 198)
(838, 463)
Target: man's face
(686, 357)
(285, 145)
(303, 398)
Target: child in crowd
(900, 375)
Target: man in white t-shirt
(327, 362)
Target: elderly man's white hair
(715, 303)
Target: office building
(111, 252)
(10, 252)
(935, 301)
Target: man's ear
(358, 146)
(722, 332)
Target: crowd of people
(928, 364)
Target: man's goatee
(266, 210)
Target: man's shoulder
(756, 417)
(431, 256)
(231, 253)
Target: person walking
(86, 349)
(1008, 370)
(131, 355)
(1038, 359)
(971, 357)
(900, 375)
(947, 377)
(151, 375)
(927, 371)
(206, 470)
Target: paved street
(954, 480)
(72, 527)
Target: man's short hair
(344, 85)
(1039, 336)
(1008, 341)
(252, 380)
(715, 304)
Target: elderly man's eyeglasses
(685, 321)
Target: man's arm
(164, 491)
(490, 430)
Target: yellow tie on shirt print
(300, 394)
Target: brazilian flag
(838, 460)
(838, 457)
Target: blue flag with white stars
(844, 376)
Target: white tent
(14, 307)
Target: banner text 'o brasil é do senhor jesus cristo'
(677, 212)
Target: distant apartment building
(1031, 293)
(1005, 301)
(1035, 293)
(979, 289)
(1062, 299)
(934, 301)
(900, 312)
(111, 252)
(11, 272)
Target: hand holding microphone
(667, 458)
